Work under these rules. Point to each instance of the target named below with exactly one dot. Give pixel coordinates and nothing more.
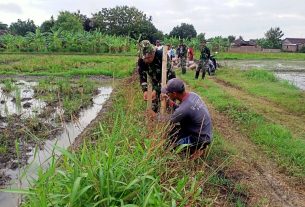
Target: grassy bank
(262, 83)
(21, 64)
(274, 140)
(125, 164)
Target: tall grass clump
(260, 75)
(125, 163)
(117, 169)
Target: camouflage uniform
(152, 70)
(204, 61)
(182, 54)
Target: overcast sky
(248, 18)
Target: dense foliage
(65, 41)
(184, 31)
(3, 26)
(67, 21)
(22, 27)
(124, 20)
(272, 39)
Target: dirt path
(266, 184)
(270, 110)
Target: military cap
(145, 47)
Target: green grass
(126, 165)
(66, 65)
(263, 83)
(8, 85)
(275, 140)
(260, 56)
(256, 56)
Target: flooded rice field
(22, 114)
(292, 71)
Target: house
(293, 44)
(241, 45)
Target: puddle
(293, 71)
(297, 79)
(20, 101)
(64, 140)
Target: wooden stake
(164, 77)
(149, 94)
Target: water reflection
(292, 71)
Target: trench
(40, 157)
(291, 70)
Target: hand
(163, 97)
(153, 95)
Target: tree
(124, 20)
(86, 22)
(184, 31)
(3, 26)
(264, 43)
(231, 38)
(273, 36)
(201, 37)
(22, 27)
(218, 43)
(66, 21)
(47, 25)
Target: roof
(2, 32)
(241, 42)
(295, 40)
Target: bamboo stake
(149, 94)
(164, 77)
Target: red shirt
(191, 54)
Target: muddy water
(293, 71)
(26, 106)
(42, 157)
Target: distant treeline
(111, 30)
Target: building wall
(300, 46)
(245, 49)
(271, 50)
(289, 48)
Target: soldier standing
(150, 66)
(204, 60)
(182, 54)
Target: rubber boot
(183, 70)
(203, 74)
(197, 74)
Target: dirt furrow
(270, 110)
(267, 185)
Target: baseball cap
(173, 85)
